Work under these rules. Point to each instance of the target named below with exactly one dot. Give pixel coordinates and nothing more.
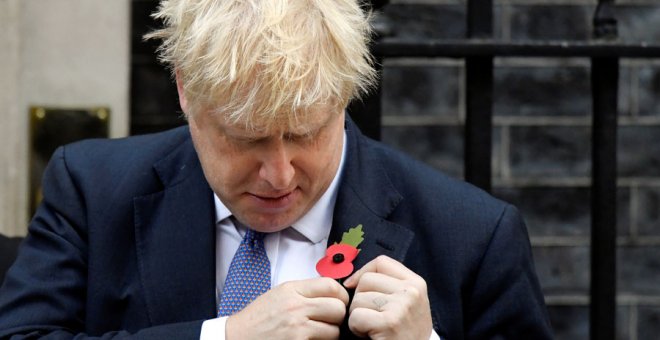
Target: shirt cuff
(213, 329)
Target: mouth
(273, 203)
(274, 197)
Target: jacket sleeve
(45, 292)
(506, 300)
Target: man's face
(268, 180)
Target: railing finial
(605, 23)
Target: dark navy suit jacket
(124, 243)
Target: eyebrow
(231, 130)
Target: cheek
(323, 159)
(222, 165)
(228, 172)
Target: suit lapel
(175, 238)
(366, 196)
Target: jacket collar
(175, 240)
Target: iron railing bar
(604, 90)
(479, 121)
(480, 19)
(396, 47)
(479, 98)
(604, 75)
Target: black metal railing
(479, 51)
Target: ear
(183, 101)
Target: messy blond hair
(266, 60)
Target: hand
(390, 302)
(306, 309)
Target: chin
(271, 224)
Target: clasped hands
(390, 302)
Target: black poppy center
(338, 258)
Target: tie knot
(254, 235)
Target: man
(142, 236)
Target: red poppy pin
(338, 260)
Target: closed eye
(298, 137)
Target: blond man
(142, 237)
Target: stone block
(637, 23)
(497, 161)
(623, 211)
(542, 91)
(562, 211)
(648, 211)
(638, 270)
(563, 270)
(638, 151)
(572, 322)
(569, 322)
(550, 151)
(649, 88)
(412, 21)
(648, 326)
(551, 211)
(550, 22)
(438, 146)
(420, 90)
(625, 99)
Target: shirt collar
(316, 223)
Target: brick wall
(541, 158)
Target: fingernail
(348, 281)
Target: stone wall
(13, 154)
(56, 53)
(541, 159)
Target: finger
(384, 265)
(370, 300)
(363, 321)
(320, 330)
(320, 287)
(328, 310)
(377, 282)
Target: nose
(276, 167)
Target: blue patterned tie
(248, 276)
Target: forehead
(293, 124)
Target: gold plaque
(53, 127)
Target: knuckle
(326, 280)
(291, 306)
(292, 320)
(356, 322)
(418, 283)
(414, 292)
(392, 322)
(287, 286)
(368, 277)
(383, 259)
(333, 287)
